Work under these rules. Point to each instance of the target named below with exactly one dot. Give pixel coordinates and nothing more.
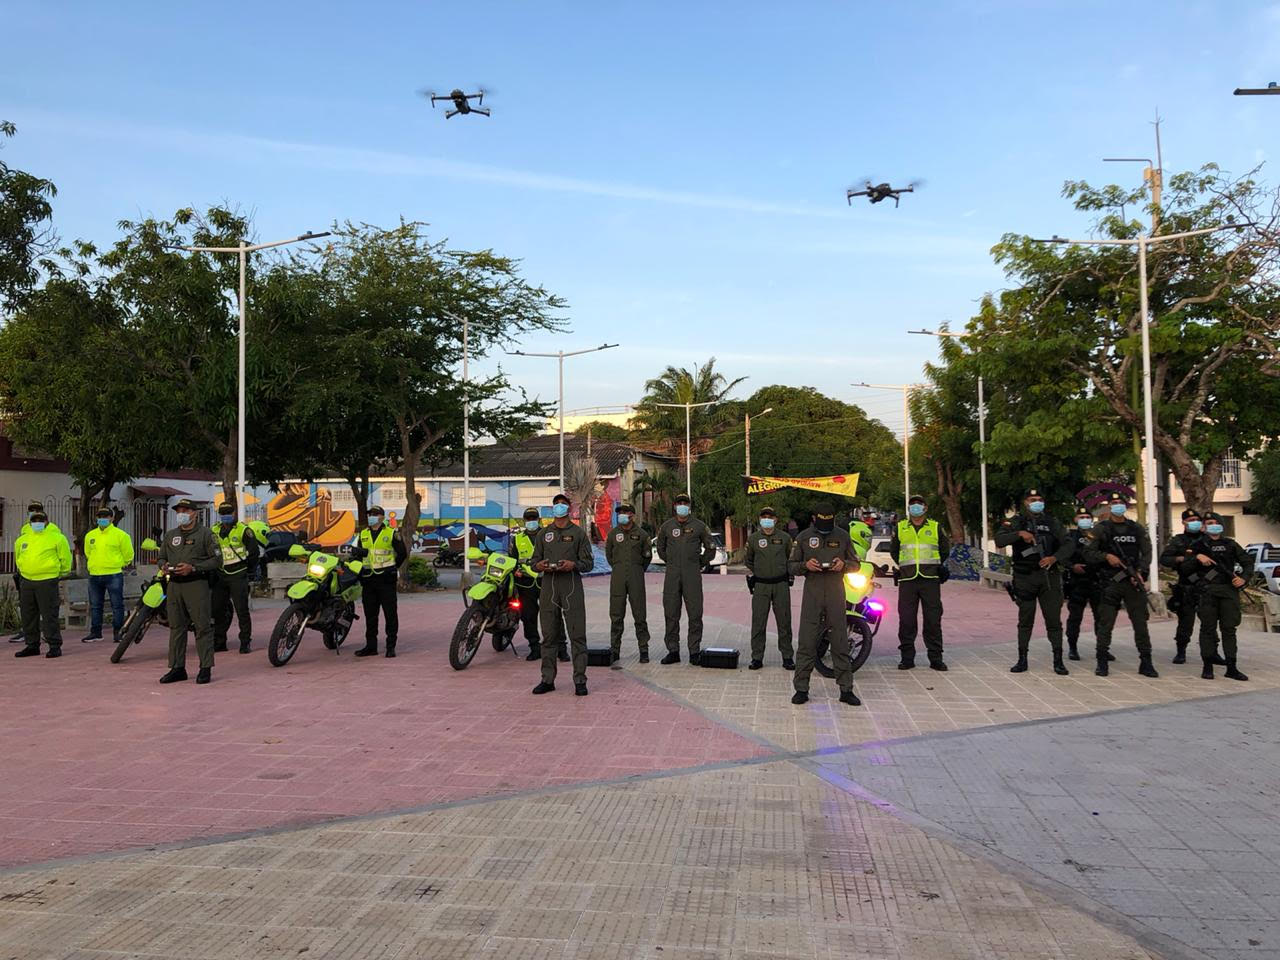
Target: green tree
(663, 428)
(603, 431)
(26, 209)
(1265, 496)
(1215, 326)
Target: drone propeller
(916, 184)
(428, 94)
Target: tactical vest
(918, 549)
(381, 551)
(232, 545)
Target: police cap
(185, 504)
(915, 498)
(532, 513)
(682, 498)
(375, 510)
(1117, 497)
(767, 512)
(103, 512)
(34, 506)
(1210, 515)
(824, 510)
(1189, 514)
(561, 498)
(1033, 494)
(626, 508)
(38, 516)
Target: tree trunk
(949, 491)
(412, 504)
(1198, 487)
(358, 481)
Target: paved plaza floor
(399, 809)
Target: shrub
(422, 573)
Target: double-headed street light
(906, 389)
(244, 249)
(688, 450)
(560, 355)
(1149, 454)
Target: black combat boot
(1072, 652)
(1218, 660)
(544, 687)
(1101, 670)
(937, 663)
(800, 696)
(1059, 667)
(670, 658)
(579, 689)
(1146, 668)
(755, 664)
(204, 675)
(849, 697)
(1232, 673)
(1206, 672)
(644, 655)
(788, 663)
(245, 646)
(1181, 655)
(176, 675)
(1021, 665)
(368, 650)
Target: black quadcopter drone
(461, 102)
(881, 191)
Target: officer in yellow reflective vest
(34, 507)
(384, 552)
(920, 549)
(529, 582)
(239, 548)
(43, 556)
(107, 551)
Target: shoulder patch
(814, 541)
(176, 541)
(763, 542)
(620, 537)
(675, 532)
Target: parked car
(1266, 562)
(719, 560)
(880, 556)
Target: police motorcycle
(863, 612)
(149, 609)
(323, 600)
(492, 607)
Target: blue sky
(675, 170)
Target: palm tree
(664, 427)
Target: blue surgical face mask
(104, 522)
(766, 524)
(532, 525)
(1085, 523)
(1036, 506)
(1193, 526)
(682, 509)
(183, 518)
(624, 518)
(37, 526)
(1117, 509)
(375, 520)
(560, 510)
(916, 509)
(1214, 528)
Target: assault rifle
(1134, 577)
(1203, 546)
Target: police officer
(1220, 594)
(238, 546)
(43, 556)
(562, 554)
(528, 581)
(685, 546)
(1125, 547)
(1081, 583)
(190, 554)
(34, 507)
(384, 552)
(629, 552)
(920, 549)
(107, 551)
(820, 554)
(1040, 548)
(769, 579)
(1179, 556)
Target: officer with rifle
(1218, 556)
(1081, 583)
(1040, 549)
(1125, 547)
(1184, 599)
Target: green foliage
(25, 235)
(602, 431)
(806, 434)
(663, 427)
(9, 616)
(1265, 496)
(421, 573)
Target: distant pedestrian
(43, 556)
(107, 551)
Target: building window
(1230, 479)
(535, 496)
(477, 491)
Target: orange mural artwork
(291, 509)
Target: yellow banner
(842, 485)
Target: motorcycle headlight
(856, 580)
(316, 570)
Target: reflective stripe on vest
(382, 555)
(233, 551)
(918, 547)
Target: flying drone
(461, 102)
(882, 191)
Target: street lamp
(560, 355)
(1149, 454)
(748, 436)
(244, 249)
(1270, 88)
(906, 389)
(688, 450)
(982, 437)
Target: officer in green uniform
(238, 547)
(629, 551)
(190, 554)
(1218, 556)
(769, 579)
(107, 551)
(528, 580)
(562, 553)
(684, 543)
(43, 556)
(383, 553)
(1081, 583)
(1184, 600)
(1125, 547)
(34, 507)
(820, 554)
(1040, 549)
(920, 549)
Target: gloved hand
(751, 584)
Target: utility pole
(747, 442)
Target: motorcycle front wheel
(287, 635)
(336, 634)
(135, 625)
(860, 635)
(467, 636)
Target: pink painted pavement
(100, 757)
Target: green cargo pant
(562, 610)
(188, 604)
(822, 608)
(623, 587)
(775, 597)
(683, 587)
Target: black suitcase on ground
(726, 658)
(599, 657)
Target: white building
(1231, 501)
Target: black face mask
(824, 525)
